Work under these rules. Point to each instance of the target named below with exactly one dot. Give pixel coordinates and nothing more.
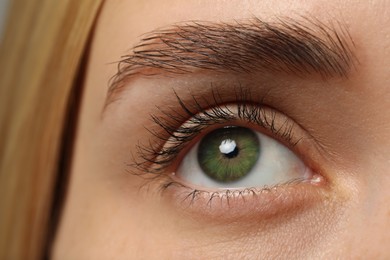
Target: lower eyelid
(247, 204)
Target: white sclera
(276, 165)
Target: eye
(235, 157)
(236, 153)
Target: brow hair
(286, 46)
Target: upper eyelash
(156, 156)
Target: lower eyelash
(172, 130)
(190, 194)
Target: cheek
(372, 218)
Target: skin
(346, 216)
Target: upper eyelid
(297, 47)
(202, 120)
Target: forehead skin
(105, 217)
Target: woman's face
(233, 129)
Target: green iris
(228, 154)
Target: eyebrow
(302, 48)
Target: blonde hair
(41, 50)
